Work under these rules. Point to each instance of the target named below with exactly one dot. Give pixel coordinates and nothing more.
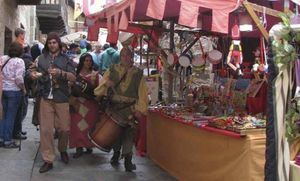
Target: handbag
(35, 115)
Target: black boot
(115, 158)
(64, 157)
(129, 166)
(79, 152)
(89, 151)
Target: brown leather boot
(129, 166)
(64, 157)
(46, 167)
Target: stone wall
(13, 16)
(75, 24)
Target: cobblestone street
(24, 165)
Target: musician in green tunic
(130, 102)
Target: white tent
(73, 37)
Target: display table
(191, 153)
(294, 171)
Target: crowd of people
(53, 73)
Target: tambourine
(198, 60)
(172, 58)
(185, 60)
(214, 57)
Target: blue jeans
(10, 103)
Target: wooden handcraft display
(235, 55)
(260, 67)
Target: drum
(105, 133)
(214, 56)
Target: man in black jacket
(54, 70)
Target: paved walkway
(24, 165)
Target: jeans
(21, 114)
(10, 103)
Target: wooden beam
(260, 9)
(172, 49)
(256, 20)
(190, 46)
(148, 27)
(141, 49)
(172, 44)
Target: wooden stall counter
(190, 153)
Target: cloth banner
(156, 9)
(93, 31)
(189, 16)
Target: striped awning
(192, 13)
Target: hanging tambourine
(185, 60)
(172, 59)
(214, 57)
(198, 60)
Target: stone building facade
(13, 16)
(77, 24)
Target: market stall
(212, 124)
(191, 153)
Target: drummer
(130, 102)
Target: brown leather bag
(36, 109)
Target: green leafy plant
(291, 119)
(285, 52)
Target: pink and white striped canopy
(188, 12)
(211, 15)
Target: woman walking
(85, 109)
(13, 71)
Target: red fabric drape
(93, 31)
(141, 140)
(258, 104)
